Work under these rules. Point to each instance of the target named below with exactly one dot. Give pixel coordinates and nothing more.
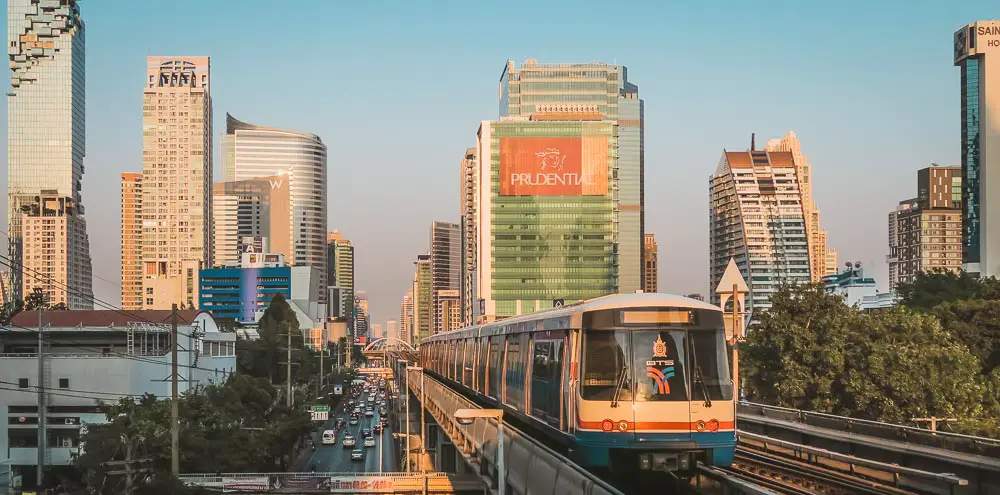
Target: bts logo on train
(660, 370)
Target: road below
(337, 459)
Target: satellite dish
(848, 265)
(857, 264)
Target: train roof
(611, 301)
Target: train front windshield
(647, 364)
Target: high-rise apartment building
(546, 210)
(251, 208)
(340, 273)
(361, 316)
(376, 331)
(446, 269)
(606, 90)
(448, 311)
(650, 265)
(253, 152)
(177, 179)
(56, 251)
(977, 54)
(46, 144)
(822, 259)
(392, 329)
(756, 218)
(423, 301)
(131, 241)
(469, 183)
(406, 316)
(925, 233)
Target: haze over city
(396, 90)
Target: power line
(52, 390)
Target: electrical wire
(62, 391)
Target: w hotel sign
(977, 38)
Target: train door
(663, 370)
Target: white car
(369, 413)
(349, 441)
(369, 441)
(329, 437)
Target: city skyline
(684, 138)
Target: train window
(514, 368)
(496, 366)
(660, 365)
(483, 365)
(470, 362)
(709, 351)
(546, 380)
(459, 360)
(606, 375)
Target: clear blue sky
(397, 89)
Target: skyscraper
(469, 173)
(546, 229)
(925, 233)
(131, 241)
(376, 331)
(423, 301)
(977, 54)
(46, 144)
(446, 269)
(756, 217)
(651, 269)
(340, 273)
(392, 329)
(524, 90)
(361, 316)
(259, 207)
(177, 179)
(822, 259)
(406, 316)
(254, 152)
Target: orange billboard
(554, 166)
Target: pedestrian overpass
(375, 483)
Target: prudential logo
(551, 159)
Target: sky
(396, 90)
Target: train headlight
(700, 425)
(607, 425)
(713, 425)
(623, 426)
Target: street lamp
(468, 416)
(423, 439)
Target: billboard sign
(554, 166)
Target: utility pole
(40, 478)
(322, 371)
(175, 427)
(288, 376)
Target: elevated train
(628, 382)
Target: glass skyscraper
(46, 143)
(977, 54)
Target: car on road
(329, 437)
(377, 428)
(381, 410)
(354, 420)
(366, 432)
(357, 455)
(349, 442)
(369, 441)
(369, 413)
(339, 423)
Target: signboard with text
(554, 166)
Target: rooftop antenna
(753, 141)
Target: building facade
(56, 257)
(469, 184)
(126, 355)
(925, 233)
(822, 259)
(547, 204)
(448, 311)
(446, 268)
(756, 218)
(177, 179)
(977, 54)
(406, 316)
(650, 265)
(362, 320)
(46, 138)
(423, 307)
(131, 241)
(299, 158)
(532, 87)
(253, 208)
(392, 329)
(340, 273)
(857, 289)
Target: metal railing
(334, 482)
(531, 468)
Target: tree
(976, 323)
(929, 289)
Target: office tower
(406, 316)
(423, 307)
(46, 141)
(253, 208)
(376, 331)
(340, 272)
(448, 311)
(756, 218)
(651, 271)
(525, 90)
(56, 252)
(546, 231)
(446, 267)
(822, 259)
(925, 232)
(361, 316)
(469, 173)
(977, 54)
(392, 329)
(177, 179)
(254, 151)
(131, 241)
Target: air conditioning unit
(70, 421)
(66, 442)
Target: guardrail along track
(796, 477)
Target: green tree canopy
(929, 289)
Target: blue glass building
(240, 293)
